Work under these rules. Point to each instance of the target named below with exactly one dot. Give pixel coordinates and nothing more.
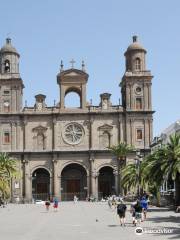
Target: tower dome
(135, 45)
(9, 59)
(8, 48)
(135, 56)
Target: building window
(139, 134)
(6, 66)
(6, 106)
(6, 92)
(137, 64)
(138, 103)
(6, 137)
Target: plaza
(82, 221)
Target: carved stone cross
(72, 63)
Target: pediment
(39, 129)
(73, 72)
(105, 127)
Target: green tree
(8, 169)
(121, 151)
(164, 163)
(132, 176)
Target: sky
(97, 31)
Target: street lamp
(138, 160)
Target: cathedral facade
(64, 151)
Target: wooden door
(73, 186)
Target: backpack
(120, 208)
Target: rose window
(73, 133)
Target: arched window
(6, 106)
(137, 64)
(138, 103)
(6, 66)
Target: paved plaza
(81, 221)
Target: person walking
(132, 211)
(47, 204)
(121, 211)
(138, 213)
(75, 199)
(55, 204)
(144, 205)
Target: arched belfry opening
(74, 182)
(72, 80)
(41, 184)
(72, 98)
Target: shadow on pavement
(175, 219)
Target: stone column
(28, 179)
(95, 175)
(54, 132)
(83, 96)
(131, 96)
(115, 172)
(62, 96)
(56, 179)
(91, 166)
(18, 135)
(149, 97)
(13, 136)
(128, 96)
(146, 133)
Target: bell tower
(136, 96)
(11, 85)
(136, 82)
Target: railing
(41, 196)
(70, 196)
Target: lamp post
(138, 160)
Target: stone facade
(56, 138)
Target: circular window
(73, 133)
(138, 89)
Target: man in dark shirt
(121, 211)
(138, 212)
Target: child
(55, 204)
(47, 204)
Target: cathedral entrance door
(40, 184)
(106, 182)
(74, 182)
(73, 186)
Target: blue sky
(98, 31)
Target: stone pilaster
(28, 179)
(56, 179)
(115, 172)
(95, 175)
(13, 136)
(83, 97)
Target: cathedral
(63, 151)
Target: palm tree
(7, 171)
(132, 176)
(120, 151)
(164, 163)
(152, 172)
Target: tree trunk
(158, 197)
(177, 190)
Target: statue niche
(105, 136)
(39, 139)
